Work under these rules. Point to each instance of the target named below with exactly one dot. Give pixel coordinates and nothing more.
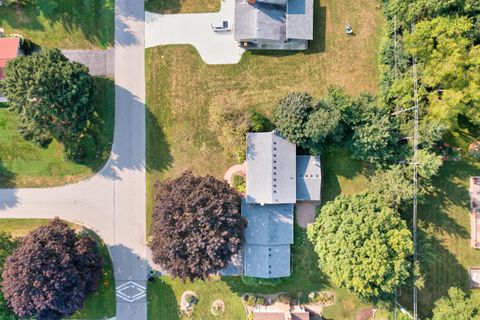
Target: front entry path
(113, 202)
(195, 29)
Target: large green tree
(363, 245)
(449, 63)
(374, 133)
(53, 97)
(291, 117)
(456, 306)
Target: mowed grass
(182, 6)
(25, 164)
(62, 24)
(181, 88)
(342, 175)
(99, 305)
(447, 255)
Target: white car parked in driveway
(222, 26)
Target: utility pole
(415, 176)
(415, 163)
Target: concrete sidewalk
(195, 29)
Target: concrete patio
(195, 29)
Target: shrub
(258, 122)
(239, 183)
(284, 298)
(190, 299)
(474, 154)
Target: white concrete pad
(195, 29)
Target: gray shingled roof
(271, 162)
(268, 224)
(272, 21)
(267, 261)
(299, 19)
(309, 178)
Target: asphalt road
(113, 202)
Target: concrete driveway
(99, 62)
(196, 30)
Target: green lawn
(181, 88)
(182, 6)
(62, 24)
(99, 305)
(25, 164)
(446, 216)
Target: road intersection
(112, 202)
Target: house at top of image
(273, 24)
(276, 179)
(9, 49)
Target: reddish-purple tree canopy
(196, 227)
(50, 273)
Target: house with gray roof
(274, 24)
(276, 179)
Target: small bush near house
(474, 154)
(321, 297)
(284, 298)
(239, 184)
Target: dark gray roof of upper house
(309, 178)
(269, 224)
(259, 21)
(299, 19)
(274, 22)
(267, 261)
(271, 162)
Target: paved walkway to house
(195, 29)
(305, 212)
(113, 202)
(100, 62)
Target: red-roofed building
(9, 49)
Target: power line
(415, 176)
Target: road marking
(131, 291)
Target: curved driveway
(195, 29)
(113, 202)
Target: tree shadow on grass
(159, 157)
(442, 270)
(451, 189)
(340, 164)
(162, 303)
(7, 178)
(94, 18)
